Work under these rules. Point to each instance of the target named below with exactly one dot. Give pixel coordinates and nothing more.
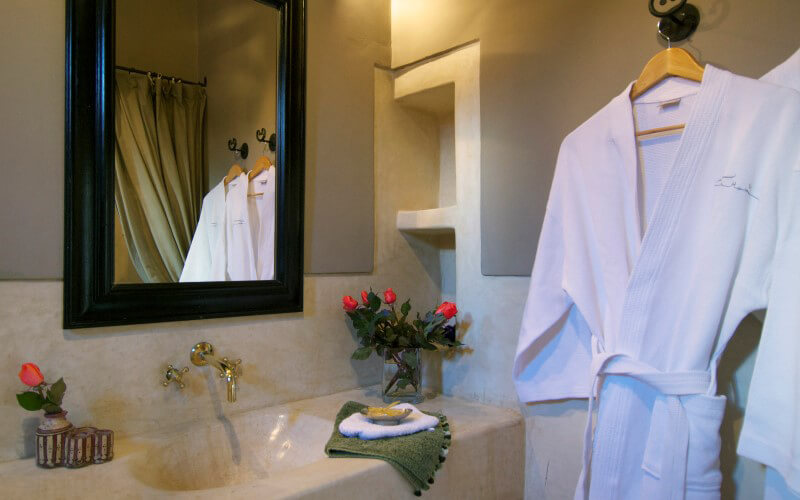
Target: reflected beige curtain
(159, 165)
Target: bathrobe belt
(671, 385)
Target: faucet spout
(203, 354)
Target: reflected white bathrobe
(262, 223)
(641, 318)
(241, 259)
(206, 259)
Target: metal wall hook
(678, 19)
(261, 136)
(242, 151)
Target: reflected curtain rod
(156, 73)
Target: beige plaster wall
(31, 138)
(339, 131)
(113, 374)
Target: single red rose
(365, 297)
(448, 309)
(349, 303)
(31, 375)
(389, 297)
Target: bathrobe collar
(653, 244)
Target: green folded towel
(417, 456)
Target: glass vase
(402, 375)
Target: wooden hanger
(235, 171)
(669, 62)
(261, 165)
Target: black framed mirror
(93, 294)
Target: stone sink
(278, 452)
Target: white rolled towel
(358, 425)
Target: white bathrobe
(642, 275)
(206, 258)
(261, 210)
(754, 440)
(241, 259)
(786, 74)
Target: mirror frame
(90, 296)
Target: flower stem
(403, 368)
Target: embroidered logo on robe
(729, 181)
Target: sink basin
(242, 449)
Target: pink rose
(31, 375)
(389, 297)
(448, 309)
(365, 297)
(349, 303)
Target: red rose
(365, 297)
(349, 303)
(389, 297)
(31, 375)
(448, 309)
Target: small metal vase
(51, 438)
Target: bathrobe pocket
(704, 415)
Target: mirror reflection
(195, 113)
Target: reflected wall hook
(261, 136)
(679, 19)
(242, 150)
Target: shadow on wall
(426, 248)
(27, 445)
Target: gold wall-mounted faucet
(203, 354)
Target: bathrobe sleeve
(553, 352)
(771, 430)
(787, 74)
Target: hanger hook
(662, 35)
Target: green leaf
(362, 353)
(374, 302)
(31, 401)
(403, 383)
(56, 392)
(50, 408)
(411, 358)
(405, 308)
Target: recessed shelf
(431, 221)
